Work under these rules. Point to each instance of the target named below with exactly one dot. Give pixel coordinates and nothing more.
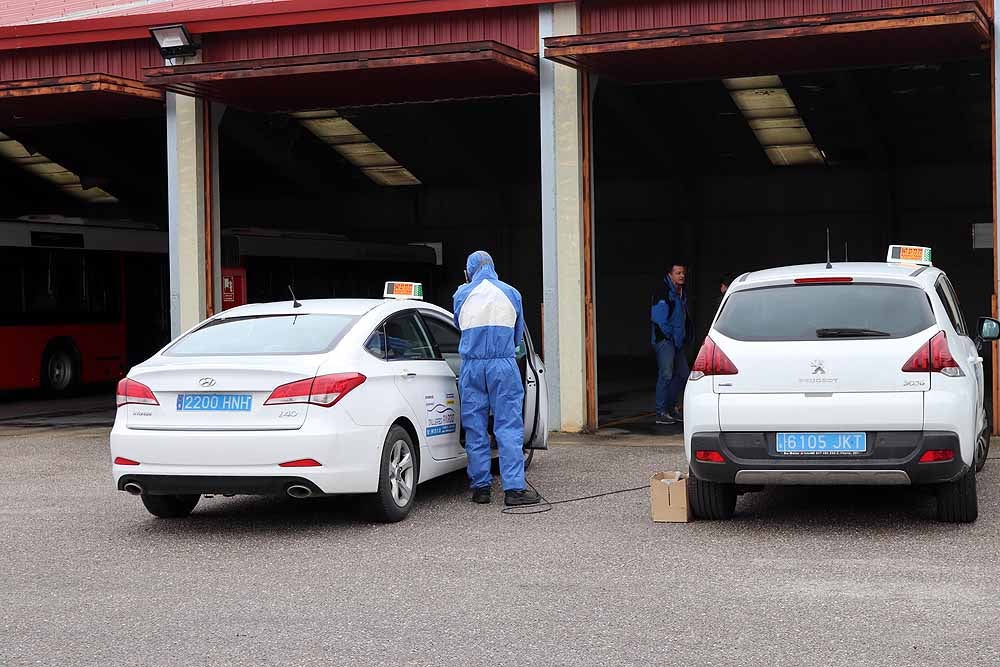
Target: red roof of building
(19, 12)
(39, 23)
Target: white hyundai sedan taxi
(333, 396)
(855, 373)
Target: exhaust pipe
(298, 491)
(133, 489)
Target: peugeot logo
(207, 382)
(817, 367)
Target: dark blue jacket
(669, 315)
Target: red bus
(62, 299)
(81, 301)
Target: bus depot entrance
(732, 147)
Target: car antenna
(295, 302)
(828, 264)
(845, 251)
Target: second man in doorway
(671, 329)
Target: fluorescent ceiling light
(790, 156)
(778, 131)
(53, 172)
(764, 103)
(342, 136)
(774, 119)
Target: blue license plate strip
(214, 402)
(821, 443)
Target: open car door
(536, 397)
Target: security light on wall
(174, 41)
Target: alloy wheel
(401, 473)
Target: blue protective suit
(491, 318)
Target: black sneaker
(522, 497)
(675, 414)
(482, 495)
(665, 419)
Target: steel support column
(193, 211)
(563, 264)
(994, 108)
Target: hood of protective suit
(479, 266)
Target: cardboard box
(668, 497)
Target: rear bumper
(892, 460)
(220, 485)
(350, 457)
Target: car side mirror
(989, 329)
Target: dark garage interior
(296, 212)
(681, 176)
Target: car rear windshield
(825, 312)
(263, 335)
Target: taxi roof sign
(403, 290)
(909, 254)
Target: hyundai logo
(207, 382)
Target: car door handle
(408, 375)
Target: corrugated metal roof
(598, 16)
(28, 24)
(20, 12)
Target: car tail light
(300, 463)
(130, 391)
(937, 456)
(711, 360)
(833, 280)
(122, 461)
(322, 390)
(709, 456)
(933, 357)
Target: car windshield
(825, 312)
(263, 335)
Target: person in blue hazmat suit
(671, 329)
(489, 314)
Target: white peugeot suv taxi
(851, 373)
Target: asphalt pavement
(800, 577)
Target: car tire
(529, 456)
(60, 372)
(397, 473)
(170, 506)
(958, 502)
(711, 500)
(982, 450)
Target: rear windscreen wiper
(850, 333)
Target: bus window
(11, 286)
(71, 285)
(103, 276)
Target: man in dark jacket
(671, 329)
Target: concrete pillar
(562, 226)
(995, 108)
(193, 207)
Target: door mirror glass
(989, 329)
